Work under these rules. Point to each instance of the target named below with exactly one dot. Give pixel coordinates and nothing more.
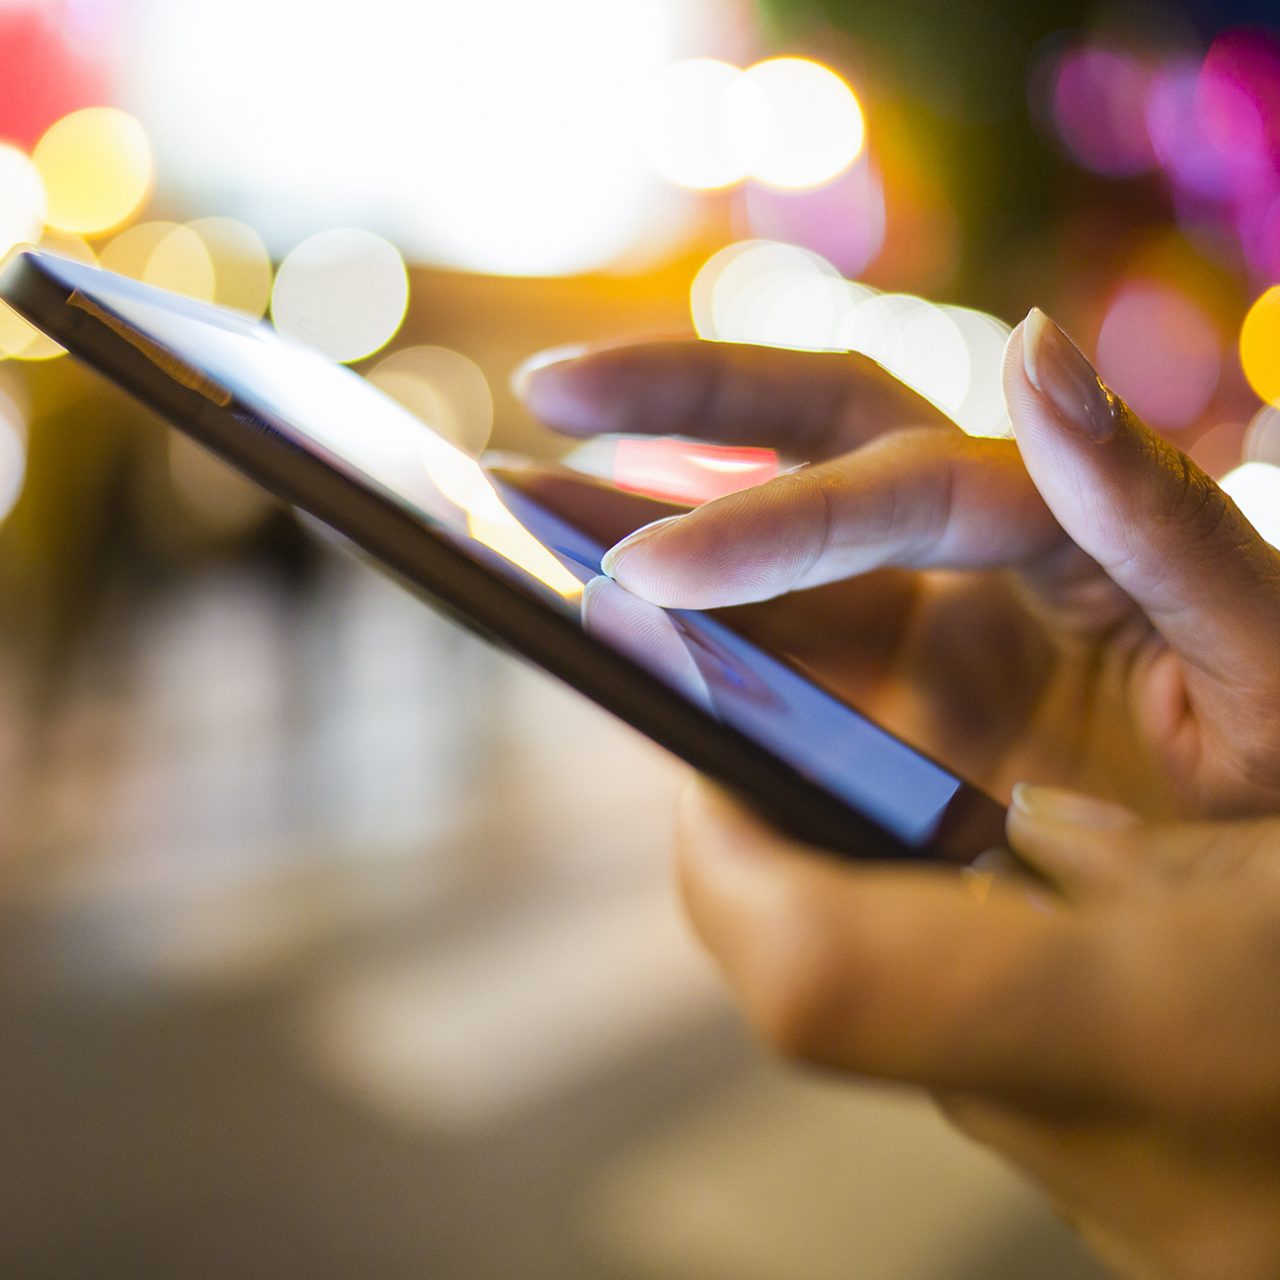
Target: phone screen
(244, 369)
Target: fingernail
(1057, 368)
(1070, 808)
(523, 373)
(610, 560)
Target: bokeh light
(343, 292)
(918, 342)
(96, 166)
(772, 294)
(241, 264)
(1262, 437)
(1099, 104)
(1255, 489)
(494, 136)
(1161, 351)
(844, 220)
(1260, 346)
(695, 125)
(22, 199)
(13, 452)
(982, 410)
(165, 254)
(805, 122)
(444, 388)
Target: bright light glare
(96, 166)
(773, 294)
(444, 388)
(1255, 489)
(1260, 346)
(241, 264)
(813, 124)
(343, 292)
(695, 122)
(982, 411)
(22, 199)
(919, 343)
(13, 454)
(495, 135)
(463, 482)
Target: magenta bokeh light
(1099, 108)
(1162, 352)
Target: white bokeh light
(1255, 489)
(342, 292)
(23, 203)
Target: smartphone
(508, 566)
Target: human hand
(1112, 628)
(1122, 1048)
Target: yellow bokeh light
(342, 292)
(22, 199)
(1260, 346)
(444, 388)
(803, 123)
(96, 166)
(241, 264)
(13, 453)
(181, 263)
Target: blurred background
(333, 943)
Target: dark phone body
(73, 304)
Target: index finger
(809, 404)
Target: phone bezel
(431, 567)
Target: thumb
(1158, 525)
(1090, 848)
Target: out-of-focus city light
(844, 220)
(165, 254)
(494, 136)
(241, 265)
(1262, 437)
(217, 497)
(696, 129)
(805, 123)
(982, 410)
(1255, 489)
(96, 166)
(13, 452)
(918, 342)
(343, 292)
(1099, 103)
(1260, 346)
(773, 294)
(22, 199)
(1161, 351)
(444, 388)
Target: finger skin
(807, 404)
(1160, 527)
(1163, 1008)
(913, 499)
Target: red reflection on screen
(678, 471)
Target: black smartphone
(508, 566)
